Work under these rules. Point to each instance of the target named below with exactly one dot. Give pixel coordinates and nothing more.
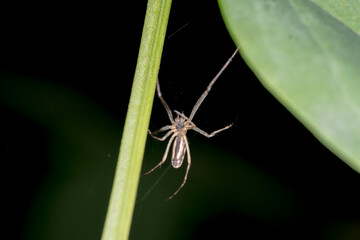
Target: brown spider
(180, 126)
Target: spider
(178, 128)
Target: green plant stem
(122, 200)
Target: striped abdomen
(178, 153)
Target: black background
(53, 51)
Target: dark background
(66, 73)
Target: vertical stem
(122, 200)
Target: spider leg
(165, 155)
(187, 169)
(163, 101)
(203, 96)
(202, 132)
(160, 130)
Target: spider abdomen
(178, 153)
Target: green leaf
(123, 195)
(307, 54)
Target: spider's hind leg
(164, 157)
(187, 169)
